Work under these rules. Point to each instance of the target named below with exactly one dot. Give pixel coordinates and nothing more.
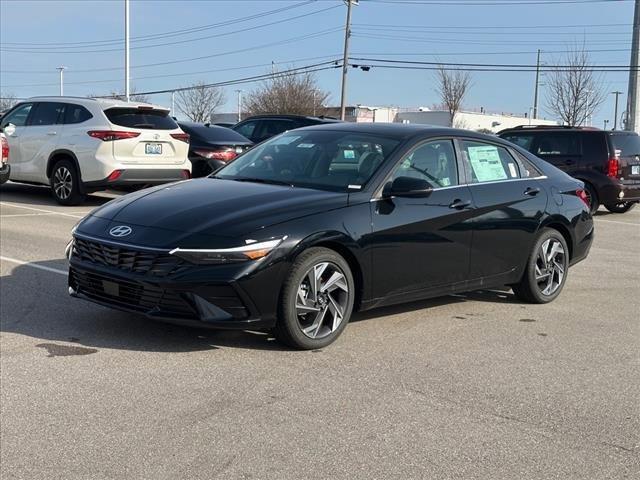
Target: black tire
(592, 196)
(621, 207)
(65, 183)
(290, 325)
(530, 289)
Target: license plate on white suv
(635, 170)
(153, 148)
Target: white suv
(80, 145)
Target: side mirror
(407, 187)
(9, 129)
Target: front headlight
(251, 251)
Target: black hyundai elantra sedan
(308, 227)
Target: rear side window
(76, 114)
(19, 116)
(557, 144)
(47, 113)
(489, 163)
(522, 140)
(141, 118)
(271, 128)
(246, 129)
(527, 168)
(628, 144)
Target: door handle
(51, 133)
(532, 191)
(460, 204)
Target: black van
(608, 162)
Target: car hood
(206, 207)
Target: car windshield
(628, 144)
(322, 159)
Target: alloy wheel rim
(321, 300)
(63, 182)
(550, 266)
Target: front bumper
(139, 176)
(168, 289)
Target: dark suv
(260, 127)
(608, 162)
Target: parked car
(302, 230)
(261, 127)
(212, 147)
(80, 145)
(5, 168)
(225, 124)
(608, 162)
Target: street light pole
(633, 94)
(345, 59)
(615, 115)
(535, 91)
(61, 69)
(239, 92)
(126, 50)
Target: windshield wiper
(259, 180)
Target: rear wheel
(65, 183)
(317, 300)
(592, 197)
(621, 207)
(546, 270)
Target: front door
(422, 243)
(17, 118)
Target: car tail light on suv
(582, 195)
(183, 137)
(225, 155)
(613, 168)
(111, 135)
(5, 151)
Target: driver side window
(19, 116)
(434, 162)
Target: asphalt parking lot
(469, 386)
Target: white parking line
(26, 215)
(619, 223)
(34, 265)
(41, 210)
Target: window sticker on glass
(486, 164)
(513, 171)
(350, 154)
(305, 145)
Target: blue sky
(37, 36)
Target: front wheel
(621, 207)
(546, 270)
(65, 183)
(317, 300)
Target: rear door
(561, 149)
(270, 127)
(154, 144)
(39, 140)
(509, 205)
(626, 146)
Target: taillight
(183, 137)
(111, 135)
(613, 168)
(582, 195)
(114, 175)
(223, 155)
(5, 151)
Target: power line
(235, 32)
(623, 68)
(509, 3)
(494, 27)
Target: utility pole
(61, 69)
(173, 103)
(615, 115)
(606, 122)
(633, 98)
(239, 92)
(345, 59)
(126, 50)
(535, 91)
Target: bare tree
(7, 100)
(573, 90)
(295, 94)
(453, 86)
(200, 101)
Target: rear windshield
(139, 118)
(213, 133)
(628, 144)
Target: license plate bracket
(153, 148)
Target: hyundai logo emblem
(120, 231)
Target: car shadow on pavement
(40, 196)
(35, 303)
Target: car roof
(293, 117)
(104, 103)
(548, 128)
